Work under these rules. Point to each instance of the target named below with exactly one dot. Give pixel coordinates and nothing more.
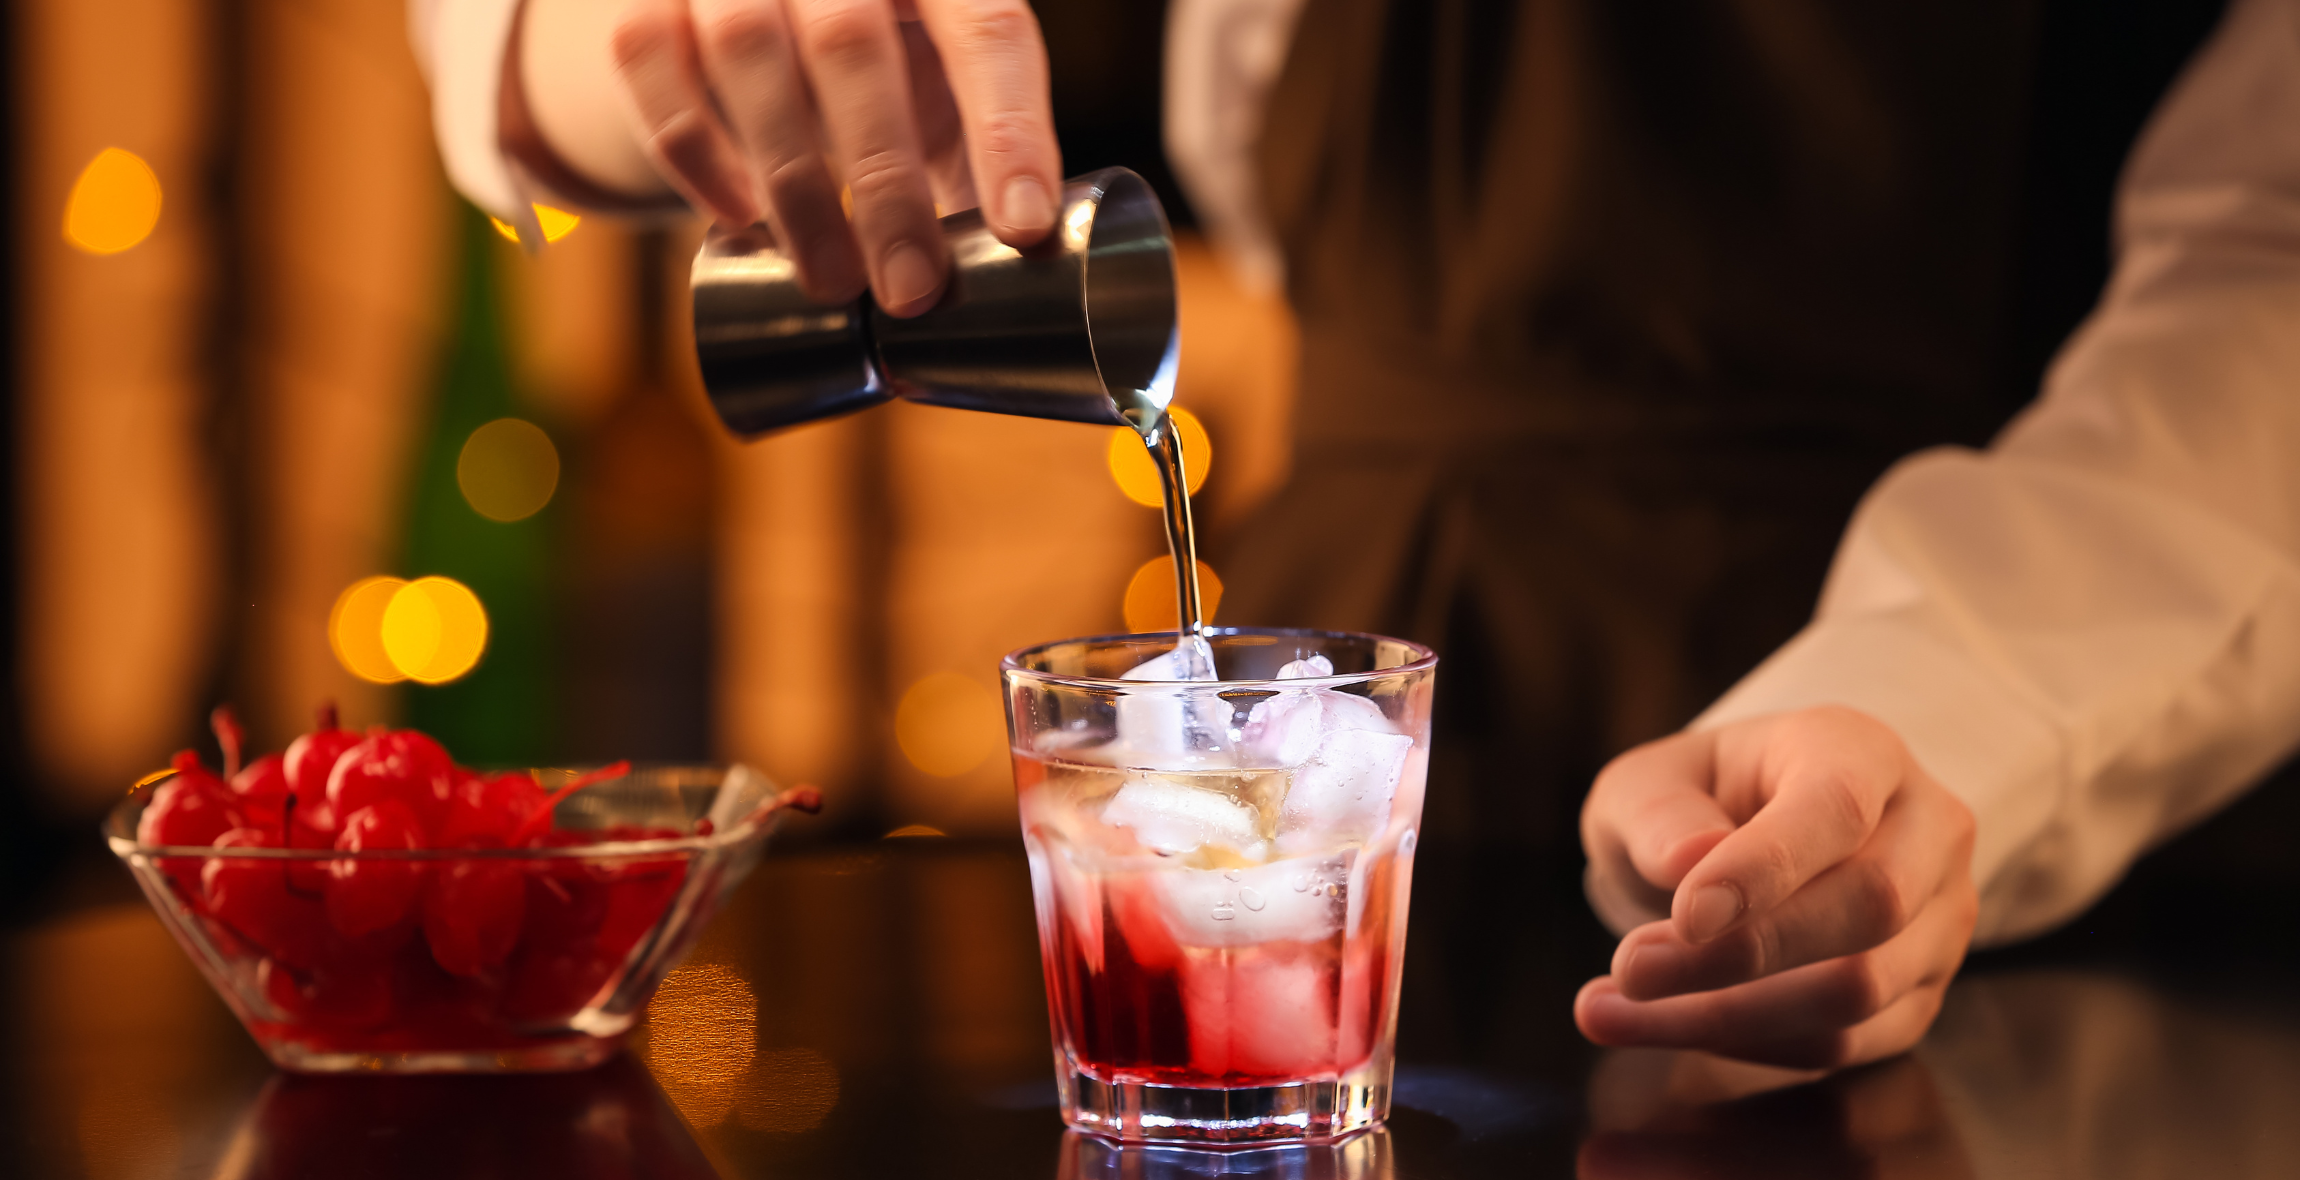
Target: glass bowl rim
(753, 826)
(1424, 660)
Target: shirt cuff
(463, 44)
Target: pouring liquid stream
(1165, 443)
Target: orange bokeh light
(114, 204)
(1137, 474)
(1150, 604)
(948, 724)
(556, 223)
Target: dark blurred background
(218, 431)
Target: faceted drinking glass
(1221, 870)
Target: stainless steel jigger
(1080, 327)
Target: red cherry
(549, 987)
(308, 877)
(471, 914)
(340, 999)
(637, 895)
(366, 896)
(262, 790)
(193, 808)
(252, 898)
(308, 762)
(484, 810)
(400, 765)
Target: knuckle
(1862, 989)
(1839, 793)
(743, 32)
(642, 34)
(1840, 717)
(845, 35)
(795, 183)
(1882, 906)
(1773, 874)
(1837, 1050)
(992, 27)
(881, 178)
(1766, 953)
(1963, 829)
(1008, 134)
(683, 140)
(1966, 912)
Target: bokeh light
(434, 630)
(556, 223)
(114, 204)
(1150, 604)
(947, 724)
(702, 1035)
(788, 1091)
(355, 629)
(1137, 473)
(508, 470)
(702, 1032)
(384, 629)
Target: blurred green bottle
(500, 712)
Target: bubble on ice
(1300, 899)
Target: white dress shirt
(2090, 631)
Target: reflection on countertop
(2034, 1074)
(877, 1013)
(609, 1121)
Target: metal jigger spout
(1080, 327)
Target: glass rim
(1424, 659)
(755, 825)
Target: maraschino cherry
(364, 896)
(395, 764)
(307, 764)
(386, 953)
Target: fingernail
(1714, 908)
(1027, 205)
(910, 278)
(1652, 971)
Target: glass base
(1317, 1111)
(558, 1056)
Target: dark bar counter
(877, 1012)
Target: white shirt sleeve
(2091, 632)
(1222, 57)
(460, 46)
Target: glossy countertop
(876, 1011)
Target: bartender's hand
(1818, 883)
(762, 110)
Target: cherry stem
(327, 717)
(532, 826)
(230, 735)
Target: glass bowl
(554, 950)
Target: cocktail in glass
(1221, 869)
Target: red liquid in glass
(1143, 988)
